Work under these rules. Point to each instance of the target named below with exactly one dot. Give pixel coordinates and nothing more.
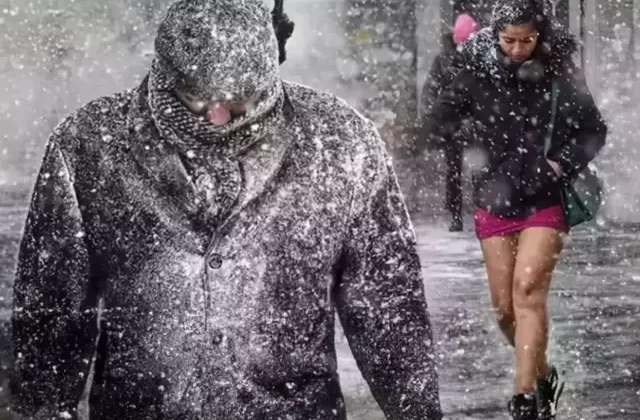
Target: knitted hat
(464, 27)
(221, 50)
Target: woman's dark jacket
(511, 111)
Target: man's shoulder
(328, 115)
(335, 125)
(99, 121)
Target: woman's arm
(588, 129)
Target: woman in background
(444, 68)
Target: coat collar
(161, 162)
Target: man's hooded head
(220, 56)
(221, 50)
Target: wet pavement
(595, 335)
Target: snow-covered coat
(167, 291)
(511, 109)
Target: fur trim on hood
(552, 56)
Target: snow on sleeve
(380, 296)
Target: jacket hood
(219, 49)
(483, 54)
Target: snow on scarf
(224, 51)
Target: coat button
(215, 261)
(216, 338)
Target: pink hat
(464, 27)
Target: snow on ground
(595, 310)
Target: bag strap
(552, 121)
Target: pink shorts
(489, 225)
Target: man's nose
(233, 107)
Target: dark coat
(230, 323)
(510, 112)
(444, 67)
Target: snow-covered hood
(220, 51)
(226, 49)
(483, 55)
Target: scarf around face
(208, 152)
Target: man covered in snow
(443, 70)
(189, 241)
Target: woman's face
(518, 41)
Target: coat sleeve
(444, 118)
(434, 83)
(443, 71)
(381, 300)
(588, 129)
(54, 320)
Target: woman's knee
(502, 305)
(538, 253)
(530, 292)
(501, 296)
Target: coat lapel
(158, 160)
(262, 163)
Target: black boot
(548, 392)
(456, 224)
(523, 407)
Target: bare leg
(500, 260)
(538, 252)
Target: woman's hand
(556, 168)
